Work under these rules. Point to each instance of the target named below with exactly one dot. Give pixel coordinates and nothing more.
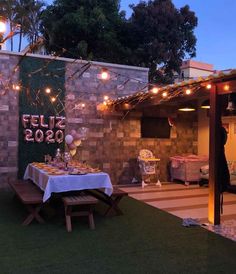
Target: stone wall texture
(9, 117)
(114, 139)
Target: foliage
(28, 14)
(157, 33)
(161, 35)
(8, 10)
(87, 29)
(24, 18)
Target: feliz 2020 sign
(36, 129)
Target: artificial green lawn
(143, 240)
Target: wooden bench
(112, 201)
(32, 198)
(116, 196)
(79, 200)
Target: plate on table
(56, 173)
(95, 170)
(77, 173)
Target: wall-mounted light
(231, 105)
(205, 104)
(186, 108)
(226, 87)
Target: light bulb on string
(164, 94)
(188, 91)
(53, 99)
(83, 105)
(105, 75)
(48, 90)
(154, 90)
(16, 87)
(208, 86)
(106, 98)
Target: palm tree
(8, 10)
(28, 16)
(21, 18)
(34, 20)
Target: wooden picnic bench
(31, 197)
(79, 200)
(112, 201)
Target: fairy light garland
(167, 93)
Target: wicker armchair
(148, 166)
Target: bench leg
(91, 220)
(114, 206)
(68, 218)
(34, 214)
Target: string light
(83, 105)
(104, 75)
(104, 103)
(164, 94)
(188, 91)
(226, 87)
(154, 90)
(48, 90)
(208, 86)
(2, 26)
(16, 87)
(127, 106)
(106, 97)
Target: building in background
(191, 69)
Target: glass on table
(67, 158)
(47, 159)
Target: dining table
(54, 180)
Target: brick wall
(113, 141)
(8, 118)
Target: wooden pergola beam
(214, 142)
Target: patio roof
(178, 92)
(213, 87)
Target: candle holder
(67, 158)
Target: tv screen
(155, 127)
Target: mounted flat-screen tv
(155, 127)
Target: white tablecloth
(63, 183)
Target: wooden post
(214, 144)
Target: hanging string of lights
(146, 92)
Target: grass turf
(143, 240)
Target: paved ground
(188, 202)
